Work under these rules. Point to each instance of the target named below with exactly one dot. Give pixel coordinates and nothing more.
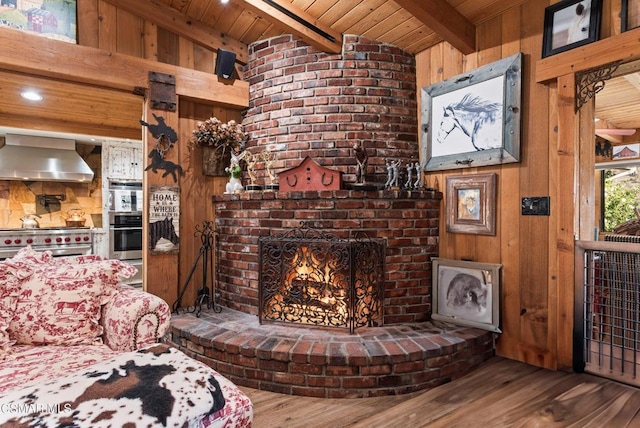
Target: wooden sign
(164, 217)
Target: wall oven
(125, 235)
(125, 224)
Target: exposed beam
(169, 18)
(40, 56)
(445, 20)
(621, 47)
(272, 10)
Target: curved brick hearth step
(330, 363)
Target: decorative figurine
(234, 184)
(250, 160)
(387, 184)
(409, 183)
(394, 172)
(361, 159)
(269, 157)
(418, 182)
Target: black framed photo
(569, 24)
(630, 15)
(473, 119)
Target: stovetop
(43, 229)
(45, 236)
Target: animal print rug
(156, 386)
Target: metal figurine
(418, 182)
(409, 183)
(251, 163)
(269, 157)
(387, 184)
(361, 159)
(395, 173)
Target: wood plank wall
(537, 283)
(104, 26)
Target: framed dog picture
(466, 293)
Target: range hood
(34, 158)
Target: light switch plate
(536, 205)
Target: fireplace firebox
(311, 277)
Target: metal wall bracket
(590, 82)
(162, 91)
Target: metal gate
(607, 318)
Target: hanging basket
(214, 162)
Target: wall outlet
(536, 205)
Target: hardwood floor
(501, 393)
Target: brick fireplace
(406, 220)
(304, 103)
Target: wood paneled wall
(107, 28)
(537, 281)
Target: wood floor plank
(501, 393)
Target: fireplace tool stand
(205, 295)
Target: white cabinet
(124, 162)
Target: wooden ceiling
(413, 25)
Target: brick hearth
(377, 361)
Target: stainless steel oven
(125, 235)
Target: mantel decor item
(473, 119)
(466, 293)
(569, 24)
(471, 204)
(218, 141)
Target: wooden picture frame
(471, 204)
(473, 119)
(58, 20)
(629, 15)
(569, 24)
(466, 293)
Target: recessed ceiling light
(31, 95)
(224, 1)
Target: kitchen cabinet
(124, 162)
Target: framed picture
(466, 293)
(471, 204)
(54, 19)
(630, 15)
(473, 119)
(569, 24)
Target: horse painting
(479, 119)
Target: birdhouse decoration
(309, 175)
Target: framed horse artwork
(473, 119)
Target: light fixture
(224, 1)
(31, 95)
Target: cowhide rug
(157, 386)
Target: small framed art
(471, 204)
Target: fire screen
(315, 278)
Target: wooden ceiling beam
(445, 20)
(40, 56)
(283, 15)
(171, 19)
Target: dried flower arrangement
(221, 136)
